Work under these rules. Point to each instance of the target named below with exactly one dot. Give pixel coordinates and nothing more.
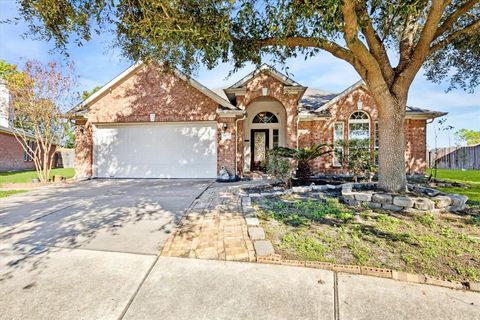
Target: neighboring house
(12, 155)
(152, 124)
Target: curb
(361, 270)
(373, 272)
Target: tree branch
(373, 72)
(474, 26)
(421, 50)
(450, 20)
(375, 45)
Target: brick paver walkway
(213, 228)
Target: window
(338, 135)
(376, 142)
(265, 117)
(359, 126)
(27, 156)
(275, 138)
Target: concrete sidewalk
(87, 284)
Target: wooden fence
(456, 157)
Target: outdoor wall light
(264, 91)
(152, 117)
(224, 126)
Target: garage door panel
(156, 151)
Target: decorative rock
(431, 192)
(278, 193)
(374, 205)
(391, 207)
(403, 202)
(248, 211)
(331, 187)
(246, 201)
(254, 195)
(252, 222)
(263, 248)
(382, 198)
(277, 188)
(301, 189)
(361, 196)
(256, 233)
(266, 194)
(348, 195)
(424, 204)
(347, 187)
(320, 188)
(442, 201)
(353, 203)
(458, 200)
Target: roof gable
(264, 68)
(136, 67)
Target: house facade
(149, 123)
(12, 155)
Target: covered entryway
(155, 150)
(264, 130)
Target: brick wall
(416, 145)
(11, 154)
(322, 132)
(144, 92)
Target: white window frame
(335, 160)
(361, 121)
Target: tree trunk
(391, 155)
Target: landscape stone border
(366, 194)
(265, 253)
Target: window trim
(334, 163)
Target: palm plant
(303, 156)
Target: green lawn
(27, 176)
(470, 180)
(300, 228)
(458, 175)
(7, 193)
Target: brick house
(147, 123)
(12, 155)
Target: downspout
(236, 140)
(298, 120)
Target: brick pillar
(83, 149)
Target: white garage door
(178, 150)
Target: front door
(260, 145)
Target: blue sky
(97, 63)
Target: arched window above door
(265, 117)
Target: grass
(27, 176)
(457, 175)
(4, 194)
(445, 245)
(469, 179)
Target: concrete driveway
(90, 251)
(134, 216)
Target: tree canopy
(185, 33)
(468, 137)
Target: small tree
(359, 158)
(303, 157)
(40, 94)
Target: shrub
(303, 156)
(359, 158)
(279, 168)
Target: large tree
(387, 42)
